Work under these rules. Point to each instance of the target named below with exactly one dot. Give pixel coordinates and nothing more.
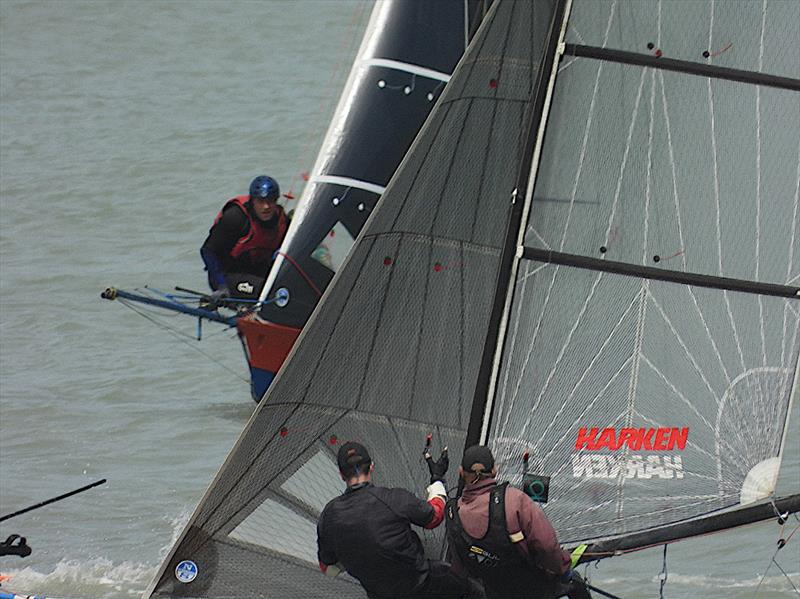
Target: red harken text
(647, 439)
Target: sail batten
(682, 66)
(648, 272)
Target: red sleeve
(437, 503)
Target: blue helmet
(265, 188)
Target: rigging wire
(302, 272)
(348, 47)
(664, 573)
(183, 338)
(781, 544)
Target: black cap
(478, 459)
(351, 456)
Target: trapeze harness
(260, 242)
(494, 558)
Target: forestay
(652, 345)
(392, 352)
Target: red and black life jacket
(260, 242)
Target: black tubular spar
(637, 541)
(53, 500)
(480, 397)
(660, 274)
(682, 66)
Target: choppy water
(123, 127)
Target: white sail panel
(670, 170)
(654, 330)
(634, 399)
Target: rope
(302, 273)
(183, 338)
(664, 574)
(781, 544)
(346, 49)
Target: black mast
(481, 396)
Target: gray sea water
(124, 126)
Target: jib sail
(393, 350)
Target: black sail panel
(393, 350)
(408, 54)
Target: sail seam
(422, 237)
(682, 66)
(491, 128)
(373, 338)
(274, 554)
(449, 172)
(420, 327)
(225, 522)
(444, 109)
(671, 276)
(482, 97)
(336, 322)
(359, 410)
(461, 333)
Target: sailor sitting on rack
(240, 246)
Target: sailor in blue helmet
(497, 534)
(367, 532)
(240, 246)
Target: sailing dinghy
(588, 260)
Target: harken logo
(610, 465)
(637, 439)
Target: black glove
(437, 469)
(217, 297)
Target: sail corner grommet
(282, 297)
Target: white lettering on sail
(635, 466)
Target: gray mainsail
(651, 347)
(393, 350)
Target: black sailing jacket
(368, 531)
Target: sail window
(333, 249)
(267, 526)
(316, 482)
